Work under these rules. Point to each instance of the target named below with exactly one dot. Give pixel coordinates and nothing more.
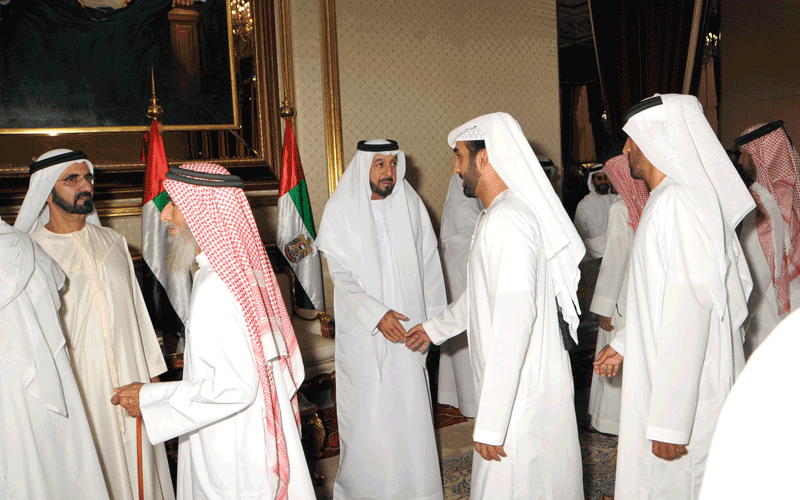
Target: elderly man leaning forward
(523, 268)
(687, 299)
(236, 408)
(47, 449)
(111, 340)
(382, 255)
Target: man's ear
(482, 158)
(49, 198)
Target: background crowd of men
(700, 263)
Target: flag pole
(155, 111)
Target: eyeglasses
(74, 179)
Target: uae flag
(166, 295)
(296, 232)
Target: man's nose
(85, 185)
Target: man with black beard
(111, 340)
(591, 216)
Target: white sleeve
(451, 322)
(221, 351)
(615, 261)
(682, 337)
(367, 309)
(511, 280)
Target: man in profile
(771, 233)
(236, 409)
(687, 300)
(523, 269)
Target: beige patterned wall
(412, 70)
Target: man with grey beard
(235, 409)
(111, 340)
(183, 248)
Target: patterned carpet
(599, 453)
(443, 416)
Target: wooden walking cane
(139, 456)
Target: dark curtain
(642, 48)
(577, 67)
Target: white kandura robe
(610, 300)
(763, 303)
(388, 447)
(460, 214)
(112, 343)
(46, 452)
(218, 409)
(522, 371)
(680, 359)
(591, 219)
(754, 452)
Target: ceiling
(574, 23)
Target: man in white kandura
(771, 233)
(591, 215)
(459, 216)
(47, 449)
(236, 408)
(687, 300)
(384, 262)
(610, 292)
(111, 340)
(523, 268)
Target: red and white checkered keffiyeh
(221, 220)
(633, 192)
(778, 170)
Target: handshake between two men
(415, 339)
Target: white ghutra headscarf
(34, 212)
(513, 159)
(674, 135)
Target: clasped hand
(415, 339)
(608, 362)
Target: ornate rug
(598, 451)
(443, 416)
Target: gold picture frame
(94, 91)
(251, 149)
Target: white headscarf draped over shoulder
(513, 159)
(348, 234)
(25, 341)
(677, 139)
(34, 212)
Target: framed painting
(71, 66)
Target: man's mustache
(386, 179)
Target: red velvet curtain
(642, 48)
